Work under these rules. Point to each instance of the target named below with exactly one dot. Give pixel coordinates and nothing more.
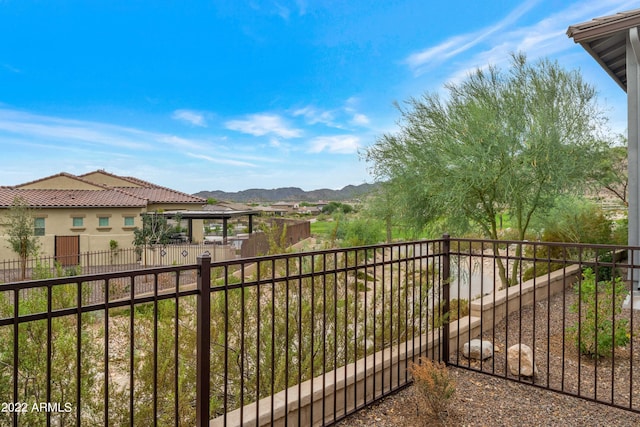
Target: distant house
(286, 207)
(86, 212)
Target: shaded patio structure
(204, 214)
(614, 42)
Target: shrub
(457, 308)
(575, 219)
(434, 388)
(599, 330)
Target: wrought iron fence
(121, 259)
(309, 338)
(572, 305)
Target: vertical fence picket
(203, 337)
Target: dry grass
(433, 388)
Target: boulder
(520, 361)
(477, 349)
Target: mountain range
(257, 195)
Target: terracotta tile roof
(70, 198)
(152, 192)
(43, 181)
(162, 195)
(82, 191)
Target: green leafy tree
(155, 230)
(333, 207)
(611, 174)
(20, 229)
(500, 142)
(383, 205)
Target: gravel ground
(483, 400)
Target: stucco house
(75, 214)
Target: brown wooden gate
(68, 250)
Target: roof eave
(604, 66)
(592, 30)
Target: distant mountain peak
(258, 195)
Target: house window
(103, 221)
(38, 226)
(78, 221)
(129, 221)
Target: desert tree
(19, 223)
(155, 230)
(498, 142)
(611, 174)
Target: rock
(520, 356)
(477, 349)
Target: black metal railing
(310, 338)
(571, 304)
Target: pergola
(224, 215)
(614, 42)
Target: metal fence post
(446, 273)
(203, 338)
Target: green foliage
(211, 201)
(276, 234)
(32, 354)
(360, 232)
(575, 220)
(155, 230)
(333, 207)
(571, 220)
(620, 233)
(21, 233)
(611, 173)
(600, 329)
(500, 142)
(457, 308)
(163, 320)
(266, 337)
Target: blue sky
(230, 95)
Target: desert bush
(577, 220)
(457, 308)
(433, 387)
(599, 330)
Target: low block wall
(357, 379)
(494, 307)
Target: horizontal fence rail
(310, 338)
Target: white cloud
(11, 68)
(220, 160)
(282, 11)
(313, 116)
(340, 144)
(494, 44)
(263, 124)
(421, 61)
(85, 133)
(338, 118)
(275, 142)
(360, 119)
(193, 117)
